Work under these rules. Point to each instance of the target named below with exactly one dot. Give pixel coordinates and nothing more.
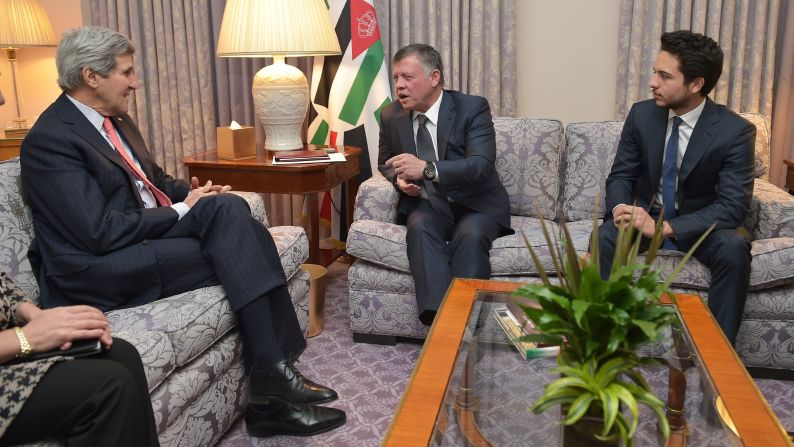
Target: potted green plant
(598, 325)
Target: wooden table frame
(415, 418)
(258, 174)
(9, 147)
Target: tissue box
(234, 144)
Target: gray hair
(428, 56)
(92, 47)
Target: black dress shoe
(292, 421)
(283, 382)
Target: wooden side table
(9, 147)
(789, 176)
(258, 174)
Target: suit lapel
(656, 133)
(405, 131)
(446, 116)
(700, 141)
(84, 129)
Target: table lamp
(277, 29)
(23, 23)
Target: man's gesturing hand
(407, 167)
(197, 192)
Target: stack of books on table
(515, 323)
(302, 156)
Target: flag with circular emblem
(348, 92)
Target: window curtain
(476, 39)
(782, 140)
(745, 29)
(174, 105)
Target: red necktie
(160, 196)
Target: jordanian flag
(348, 93)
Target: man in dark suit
(112, 230)
(689, 160)
(438, 149)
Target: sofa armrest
(775, 208)
(376, 200)
(257, 205)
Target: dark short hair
(428, 56)
(699, 56)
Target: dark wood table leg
(352, 190)
(313, 232)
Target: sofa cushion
(528, 162)
(16, 230)
(292, 246)
(589, 153)
(384, 244)
(156, 353)
(193, 321)
(761, 143)
(509, 254)
(773, 265)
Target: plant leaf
(536, 260)
(578, 408)
(610, 405)
(628, 400)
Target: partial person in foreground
(112, 230)
(690, 161)
(438, 149)
(89, 401)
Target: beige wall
(36, 74)
(567, 59)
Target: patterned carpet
(370, 380)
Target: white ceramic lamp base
(281, 99)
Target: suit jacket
(715, 180)
(466, 153)
(91, 228)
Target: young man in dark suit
(438, 148)
(691, 161)
(112, 230)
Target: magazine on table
(310, 156)
(515, 323)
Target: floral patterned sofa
(559, 173)
(190, 348)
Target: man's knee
(607, 235)
(471, 237)
(222, 204)
(731, 250)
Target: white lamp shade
(278, 28)
(253, 28)
(23, 23)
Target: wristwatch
(430, 171)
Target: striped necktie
(160, 196)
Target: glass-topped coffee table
(471, 386)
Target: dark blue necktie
(669, 180)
